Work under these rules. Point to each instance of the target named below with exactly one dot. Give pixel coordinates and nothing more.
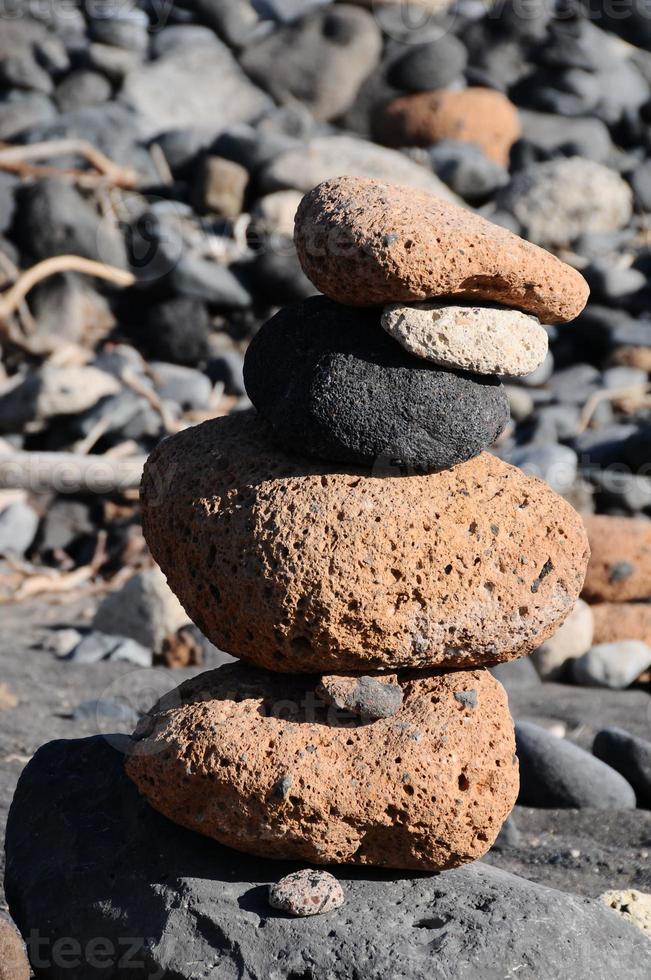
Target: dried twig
(11, 298)
(634, 395)
(135, 384)
(18, 160)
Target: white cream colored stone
(483, 339)
(275, 212)
(632, 905)
(572, 640)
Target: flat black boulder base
(88, 860)
(333, 384)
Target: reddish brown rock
(620, 564)
(13, 959)
(282, 562)
(615, 621)
(366, 243)
(482, 116)
(243, 756)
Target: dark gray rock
(198, 278)
(21, 110)
(122, 27)
(466, 170)
(175, 330)
(509, 835)
(187, 387)
(227, 368)
(333, 384)
(29, 54)
(629, 755)
(54, 219)
(514, 674)
(320, 59)
(120, 870)
(429, 66)
(557, 773)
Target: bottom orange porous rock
(258, 762)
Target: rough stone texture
(203, 906)
(327, 157)
(559, 200)
(572, 640)
(632, 905)
(144, 609)
(320, 59)
(482, 116)
(615, 665)
(13, 961)
(629, 755)
(557, 773)
(248, 758)
(367, 697)
(332, 384)
(484, 339)
(620, 564)
(615, 621)
(367, 243)
(472, 565)
(305, 893)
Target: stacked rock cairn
(353, 544)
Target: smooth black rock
(429, 66)
(87, 857)
(175, 330)
(333, 384)
(629, 755)
(557, 773)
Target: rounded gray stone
(556, 773)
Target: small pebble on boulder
(306, 893)
(368, 697)
(484, 339)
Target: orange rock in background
(620, 564)
(244, 756)
(474, 115)
(622, 621)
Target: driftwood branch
(18, 159)
(69, 472)
(12, 297)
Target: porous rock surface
(367, 243)
(332, 384)
(245, 756)
(632, 905)
(484, 339)
(620, 563)
(482, 116)
(282, 562)
(203, 907)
